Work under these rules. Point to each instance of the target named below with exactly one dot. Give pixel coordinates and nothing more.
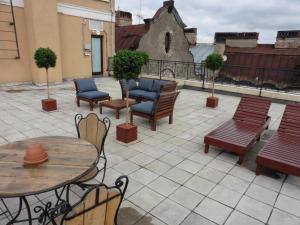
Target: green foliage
(214, 61)
(128, 64)
(45, 58)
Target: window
(167, 42)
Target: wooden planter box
(49, 104)
(126, 133)
(212, 102)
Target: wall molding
(72, 10)
(79, 11)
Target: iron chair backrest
(165, 103)
(99, 206)
(92, 129)
(253, 109)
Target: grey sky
(210, 16)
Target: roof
(172, 10)
(201, 51)
(128, 37)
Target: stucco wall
(16, 70)
(153, 42)
(102, 5)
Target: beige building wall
(61, 32)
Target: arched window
(167, 42)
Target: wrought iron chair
(99, 206)
(93, 130)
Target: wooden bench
(240, 133)
(282, 151)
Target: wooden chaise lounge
(240, 133)
(282, 151)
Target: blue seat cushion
(132, 84)
(146, 84)
(93, 94)
(144, 94)
(157, 85)
(86, 85)
(144, 107)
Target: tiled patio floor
(171, 180)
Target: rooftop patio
(172, 180)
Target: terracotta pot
(212, 102)
(35, 154)
(49, 104)
(126, 133)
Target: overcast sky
(210, 16)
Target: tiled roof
(128, 37)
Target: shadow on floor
(130, 216)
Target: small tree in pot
(214, 62)
(128, 65)
(45, 58)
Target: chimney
(123, 18)
(238, 40)
(191, 35)
(147, 23)
(288, 39)
(169, 3)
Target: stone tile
(190, 166)
(293, 180)
(211, 174)
(144, 176)
(171, 159)
(242, 173)
(268, 182)
(141, 159)
(201, 158)
(213, 211)
(225, 196)
(220, 165)
(126, 167)
(237, 218)
(170, 212)
(178, 175)
(186, 197)
(254, 208)
(149, 220)
(195, 219)
(163, 186)
(262, 194)
(158, 167)
(235, 184)
(146, 199)
(288, 204)
(279, 217)
(228, 157)
(291, 190)
(200, 185)
(133, 187)
(129, 213)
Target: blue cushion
(144, 107)
(136, 93)
(146, 84)
(157, 85)
(86, 85)
(93, 94)
(132, 84)
(149, 95)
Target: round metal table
(69, 160)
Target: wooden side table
(117, 105)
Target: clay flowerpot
(35, 154)
(49, 104)
(126, 133)
(212, 102)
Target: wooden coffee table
(117, 105)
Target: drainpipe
(112, 8)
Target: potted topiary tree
(128, 65)
(46, 58)
(214, 62)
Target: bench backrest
(253, 110)
(290, 122)
(165, 103)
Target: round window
(168, 40)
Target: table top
(69, 160)
(117, 103)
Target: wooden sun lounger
(282, 151)
(241, 132)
